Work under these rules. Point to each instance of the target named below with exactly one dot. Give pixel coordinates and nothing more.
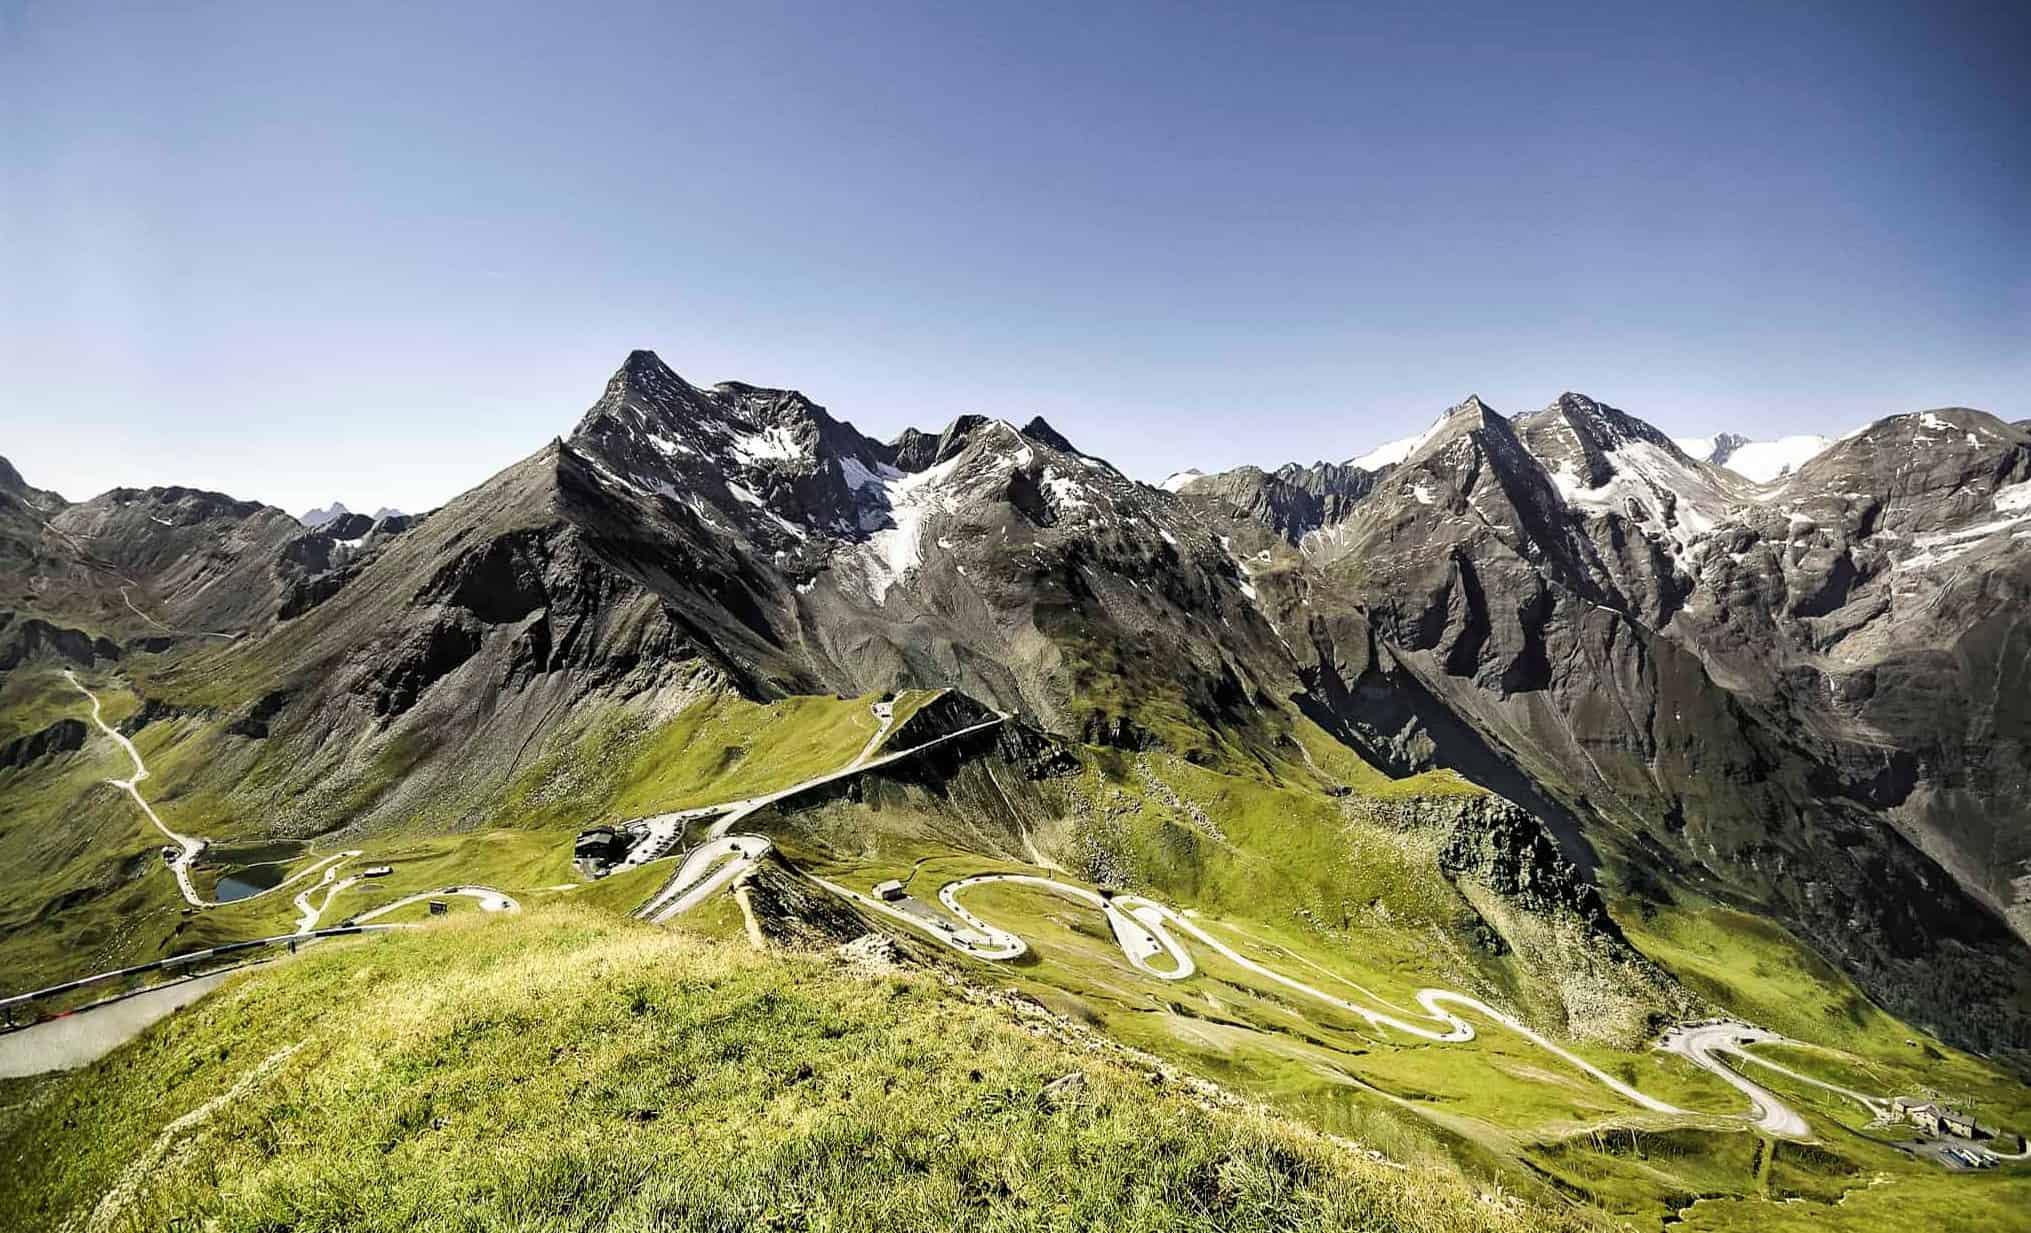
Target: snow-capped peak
(1178, 480)
(1604, 461)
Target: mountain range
(1582, 681)
(1804, 697)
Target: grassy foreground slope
(563, 1070)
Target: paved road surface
(739, 810)
(705, 869)
(885, 714)
(189, 848)
(1142, 928)
(90, 1033)
(73, 1040)
(733, 813)
(491, 900)
(1705, 1045)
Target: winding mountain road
(1147, 932)
(1154, 938)
(1705, 1044)
(1142, 928)
(677, 893)
(885, 716)
(189, 848)
(490, 900)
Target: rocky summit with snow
(1797, 688)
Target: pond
(249, 869)
(247, 880)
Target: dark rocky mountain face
(1292, 501)
(1804, 698)
(15, 493)
(1876, 602)
(153, 564)
(1792, 697)
(680, 539)
(772, 461)
(996, 559)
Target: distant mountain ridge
(337, 509)
(1760, 461)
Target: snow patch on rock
(1388, 455)
(895, 550)
(772, 444)
(1648, 480)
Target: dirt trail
(189, 848)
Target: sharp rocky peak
(646, 401)
(957, 436)
(773, 463)
(643, 395)
(769, 461)
(1038, 430)
(1472, 418)
(1603, 426)
(1467, 416)
(914, 450)
(1591, 441)
(645, 373)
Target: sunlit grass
(566, 1071)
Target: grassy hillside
(564, 1070)
(86, 890)
(1284, 846)
(1275, 866)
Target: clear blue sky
(374, 252)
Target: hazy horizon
(375, 256)
(367, 502)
